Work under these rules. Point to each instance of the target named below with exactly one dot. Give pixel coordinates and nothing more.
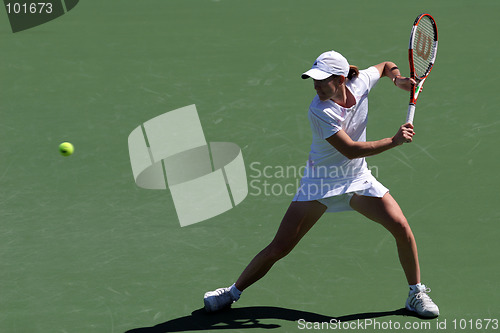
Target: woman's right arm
(358, 149)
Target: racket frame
(416, 89)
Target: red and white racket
(422, 54)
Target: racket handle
(411, 113)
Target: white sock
(235, 293)
(415, 287)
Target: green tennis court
(83, 249)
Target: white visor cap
(328, 64)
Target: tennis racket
(422, 54)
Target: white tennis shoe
(219, 299)
(419, 302)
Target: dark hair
(353, 72)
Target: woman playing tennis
(337, 178)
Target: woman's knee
(400, 229)
(277, 250)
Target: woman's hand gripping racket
(422, 54)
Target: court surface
(83, 249)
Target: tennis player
(337, 178)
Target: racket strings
(424, 47)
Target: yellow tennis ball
(66, 149)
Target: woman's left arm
(389, 69)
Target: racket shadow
(251, 317)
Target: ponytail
(353, 72)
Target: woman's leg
(298, 220)
(387, 212)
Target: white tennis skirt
(338, 201)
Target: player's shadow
(251, 317)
